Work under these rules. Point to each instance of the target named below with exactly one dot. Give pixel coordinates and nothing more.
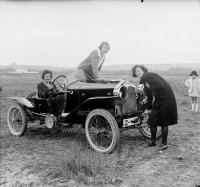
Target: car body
(102, 106)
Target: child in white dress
(194, 89)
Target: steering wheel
(60, 82)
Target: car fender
(23, 101)
(102, 97)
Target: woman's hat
(193, 73)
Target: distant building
(20, 70)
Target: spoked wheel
(102, 131)
(17, 120)
(145, 130)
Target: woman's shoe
(162, 147)
(151, 144)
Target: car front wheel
(17, 120)
(145, 130)
(102, 131)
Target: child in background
(194, 89)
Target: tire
(104, 121)
(144, 129)
(16, 109)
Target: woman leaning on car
(163, 108)
(90, 67)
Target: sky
(63, 33)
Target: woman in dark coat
(163, 108)
(45, 87)
(45, 90)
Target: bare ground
(47, 158)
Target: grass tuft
(80, 163)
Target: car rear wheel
(145, 130)
(102, 131)
(17, 120)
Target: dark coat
(163, 108)
(43, 90)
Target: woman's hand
(145, 113)
(145, 99)
(50, 87)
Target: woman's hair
(104, 43)
(138, 66)
(46, 71)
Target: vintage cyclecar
(103, 107)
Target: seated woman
(90, 67)
(45, 87)
(45, 90)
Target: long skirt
(164, 112)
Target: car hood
(93, 85)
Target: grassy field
(53, 158)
